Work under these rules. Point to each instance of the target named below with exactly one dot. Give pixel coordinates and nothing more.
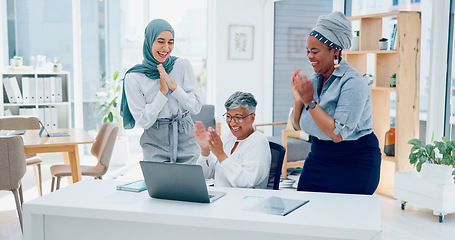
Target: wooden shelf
(405, 63)
(370, 51)
(389, 158)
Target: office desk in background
(33, 143)
(95, 210)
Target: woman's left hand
(163, 75)
(216, 145)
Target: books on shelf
(136, 186)
(16, 90)
(9, 90)
(393, 41)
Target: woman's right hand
(163, 86)
(202, 137)
(302, 87)
(294, 86)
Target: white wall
(227, 76)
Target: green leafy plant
(394, 75)
(110, 100)
(383, 39)
(437, 152)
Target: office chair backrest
(206, 116)
(104, 144)
(12, 162)
(19, 123)
(277, 152)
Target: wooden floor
(413, 223)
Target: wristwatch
(311, 105)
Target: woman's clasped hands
(302, 87)
(166, 82)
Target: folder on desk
(277, 205)
(136, 186)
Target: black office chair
(277, 152)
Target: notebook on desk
(173, 181)
(53, 134)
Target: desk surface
(326, 216)
(77, 136)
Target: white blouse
(147, 103)
(247, 167)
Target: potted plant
(393, 80)
(110, 99)
(383, 43)
(435, 161)
(355, 41)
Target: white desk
(93, 209)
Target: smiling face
(163, 46)
(321, 57)
(241, 130)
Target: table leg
(72, 158)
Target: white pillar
(77, 64)
(438, 69)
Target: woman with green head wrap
(334, 106)
(159, 95)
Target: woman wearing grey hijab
(159, 95)
(334, 106)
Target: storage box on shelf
(405, 62)
(42, 94)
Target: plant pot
(355, 43)
(437, 173)
(383, 45)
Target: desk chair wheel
(441, 218)
(403, 205)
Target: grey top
(346, 97)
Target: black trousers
(345, 167)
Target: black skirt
(345, 167)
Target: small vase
(355, 43)
(389, 144)
(383, 45)
(437, 173)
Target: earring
(336, 63)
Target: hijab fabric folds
(148, 66)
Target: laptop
(175, 181)
(53, 134)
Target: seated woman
(240, 158)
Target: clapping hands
(302, 87)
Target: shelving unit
(63, 107)
(405, 62)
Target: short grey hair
(241, 99)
